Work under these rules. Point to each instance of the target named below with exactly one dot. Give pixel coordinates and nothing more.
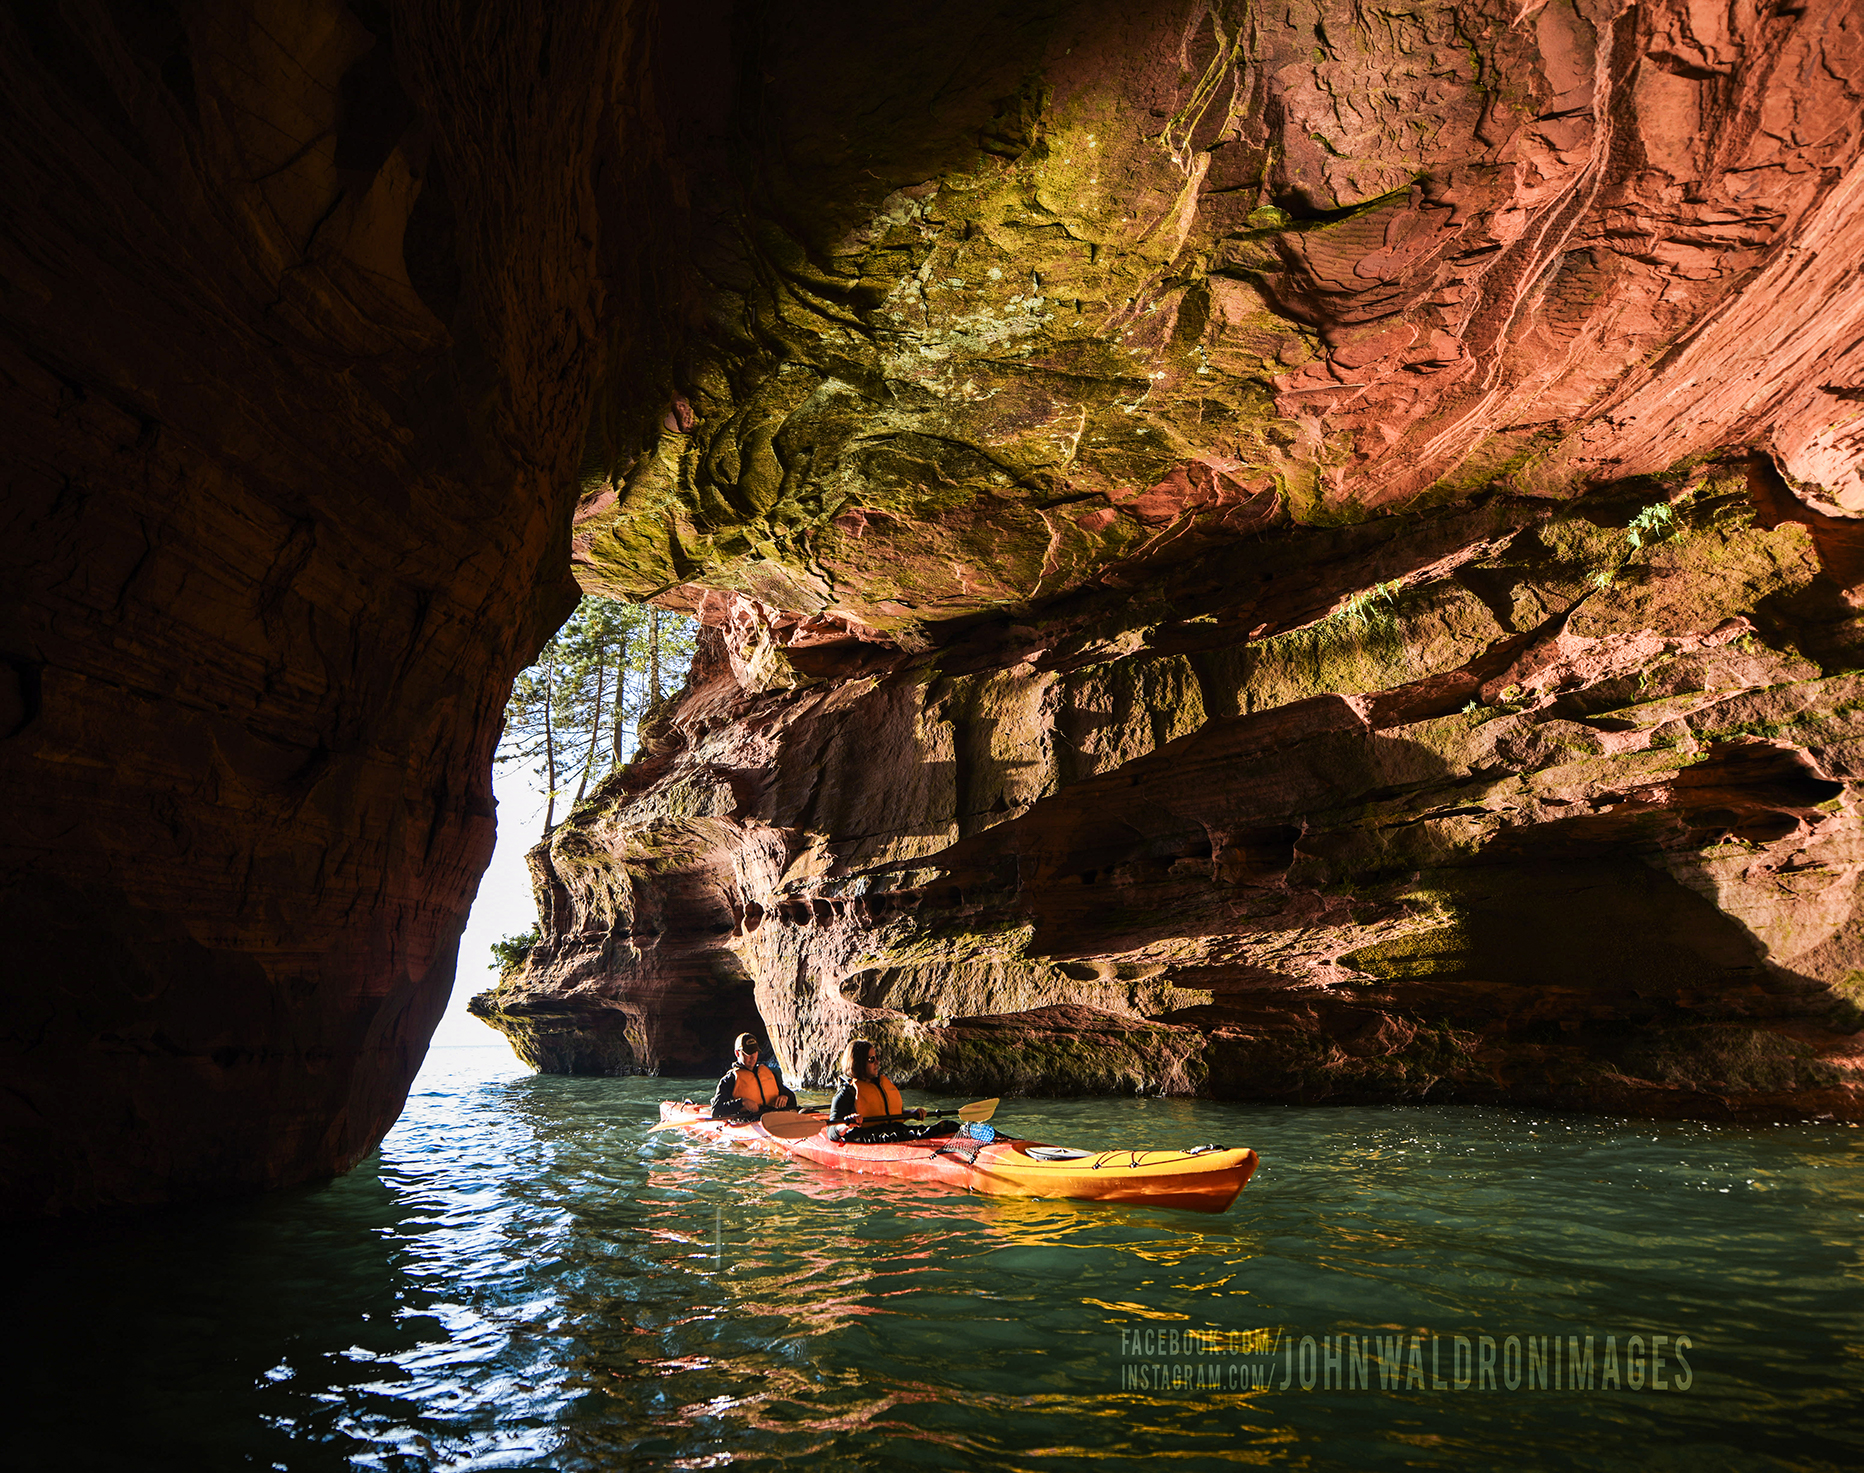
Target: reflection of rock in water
(223, 1335)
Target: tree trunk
(653, 653)
(595, 728)
(621, 698)
(550, 746)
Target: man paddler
(749, 1088)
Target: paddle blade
(979, 1110)
(787, 1126)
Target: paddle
(792, 1127)
(976, 1110)
(796, 1125)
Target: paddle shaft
(976, 1110)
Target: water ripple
(524, 1279)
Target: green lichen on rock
(1078, 1054)
(1728, 1059)
(1013, 375)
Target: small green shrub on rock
(510, 954)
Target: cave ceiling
(1060, 299)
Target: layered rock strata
(1201, 269)
(1513, 801)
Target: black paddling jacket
(725, 1099)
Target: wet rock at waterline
(1029, 399)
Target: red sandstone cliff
(1562, 815)
(1411, 459)
(1033, 399)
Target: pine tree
(574, 703)
(653, 655)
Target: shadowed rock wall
(297, 359)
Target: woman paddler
(748, 1088)
(867, 1109)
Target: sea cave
(1275, 596)
(1285, 553)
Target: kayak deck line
(1205, 1178)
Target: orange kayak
(1206, 1178)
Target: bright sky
(503, 908)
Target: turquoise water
(521, 1278)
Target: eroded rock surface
(1407, 462)
(1201, 269)
(1040, 403)
(1511, 801)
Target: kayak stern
(1204, 1181)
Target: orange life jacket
(755, 1085)
(874, 1098)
